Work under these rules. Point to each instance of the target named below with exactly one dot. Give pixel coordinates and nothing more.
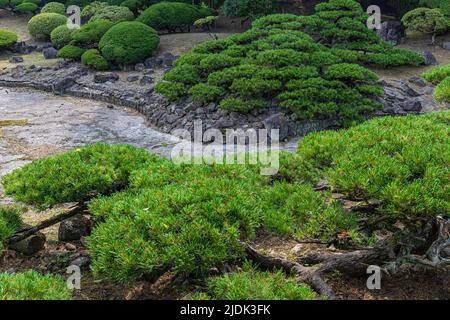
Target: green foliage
(7, 38)
(442, 91)
(94, 59)
(133, 5)
(71, 52)
(41, 25)
(128, 43)
(403, 6)
(205, 93)
(54, 7)
(251, 284)
(36, 2)
(10, 222)
(27, 7)
(4, 3)
(248, 8)
(308, 64)
(72, 176)
(425, 20)
(403, 162)
(437, 74)
(92, 8)
(90, 34)
(61, 36)
(172, 90)
(31, 285)
(113, 13)
(170, 16)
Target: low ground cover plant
(31, 285)
(440, 76)
(10, 222)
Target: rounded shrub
(92, 8)
(71, 52)
(128, 43)
(133, 5)
(437, 74)
(7, 38)
(36, 2)
(442, 91)
(90, 33)
(170, 15)
(15, 2)
(113, 13)
(94, 59)
(54, 7)
(61, 36)
(27, 7)
(41, 25)
(427, 21)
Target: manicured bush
(92, 8)
(31, 285)
(442, 91)
(133, 5)
(94, 59)
(79, 3)
(36, 2)
(61, 36)
(10, 222)
(7, 38)
(402, 162)
(54, 7)
(128, 43)
(437, 74)
(27, 7)
(41, 25)
(245, 8)
(313, 72)
(16, 2)
(251, 284)
(425, 20)
(71, 176)
(71, 52)
(90, 34)
(113, 13)
(170, 16)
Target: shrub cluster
(428, 21)
(112, 13)
(71, 52)
(128, 43)
(54, 7)
(61, 36)
(31, 285)
(172, 16)
(90, 34)
(94, 59)
(7, 38)
(440, 76)
(41, 25)
(251, 284)
(71, 176)
(27, 7)
(303, 63)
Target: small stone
(430, 59)
(132, 77)
(139, 67)
(15, 59)
(30, 245)
(146, 80)
(82, 262)
(297, 249)
(446, 45)
(50, 53)
(74, 228)
(102, 77)
(70, 247)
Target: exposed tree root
(26, 232)
(393, 252)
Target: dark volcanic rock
(60, 85)
(16, 59)
(277, 121)
(392, 32)
(146, 80)
(430, 59)
(132, 77)
(82, 262)
(102, 77)
(50, 53)
(74, 228)
(30, 245)
(446, 45)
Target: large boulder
(430, 59)
(50, 53)
(74, 229)
(392, 32)
(446, 45)
(60, 85)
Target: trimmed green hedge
(41, 25)
(7, 38)
(61, 36)
(27, 7)
(71, 52)
(94, 59)
(128, 43)
(113, 13)
(54, 7)
(171, 16)
(31, 285)
(90, 34)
